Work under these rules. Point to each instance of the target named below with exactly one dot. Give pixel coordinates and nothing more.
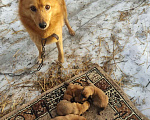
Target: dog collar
(55, 36)
(44, 40)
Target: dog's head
(40, 11)
(74, 87)
(86, 93)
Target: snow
(91, 19)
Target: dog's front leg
(37, 40)
(69, 27)
(39, 47)
(60, 49)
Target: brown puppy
(98, 97)
(72, 92)
(69, 117)
(42, 18)
(65, 107)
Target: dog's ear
(20, 1)
(82, 96)
(90, 99)
(72, 100)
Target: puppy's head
(74, 87)
(86, 93)
(40, 11)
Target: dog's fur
(65, 107)
(69, 117)
(98, 97)
(72, 92)
(52, 12)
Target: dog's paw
(71, 32)
(61, 59)
(39, 61)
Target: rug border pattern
(85, 74)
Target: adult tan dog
(69, 117)
(72, 92)
(65, 107)
(98, 97)
(43, 18)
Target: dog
(42, 19)
(98, 97)
(69, 117)
(72, 92)
(65, 107)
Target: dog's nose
(43, 25)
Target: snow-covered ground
(107, 30)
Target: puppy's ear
(72, 100)
(90, 99)
(82, 96)
(90, 96)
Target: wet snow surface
(96, 23)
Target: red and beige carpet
(44, 106)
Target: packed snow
(96, 23)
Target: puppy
(43, 18)
(98, 97)
(72, 92)
(65, 107)
(69, 117)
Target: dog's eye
(47, 7)
(33, 8)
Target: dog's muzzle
(42, 25)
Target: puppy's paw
(71, 32)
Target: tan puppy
(98, 97)
(69, 117)
(65, 107)
(72, 92)
(42, 18)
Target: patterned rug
(44, 106)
